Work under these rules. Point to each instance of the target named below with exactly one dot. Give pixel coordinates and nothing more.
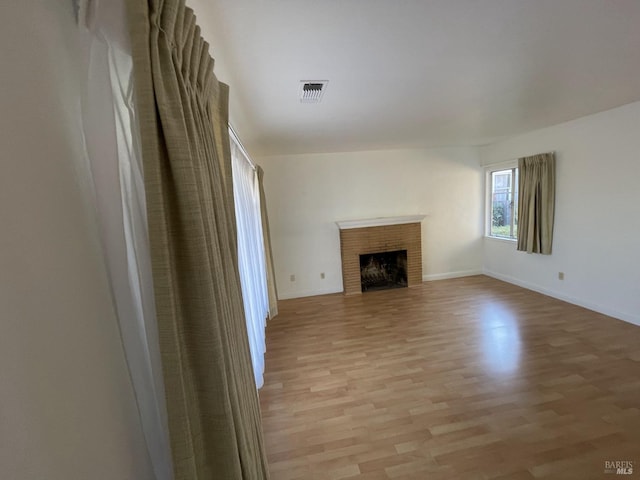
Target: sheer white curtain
(251, 256)
(113, 156)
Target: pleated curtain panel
(212, 403)
(272, 289)
(536, 203)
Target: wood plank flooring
(468, 378)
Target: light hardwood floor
(469, 378)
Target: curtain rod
(506, 162)
(241, 147)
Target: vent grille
(311, 91)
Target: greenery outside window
(503, 203)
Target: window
(503, 203)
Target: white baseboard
(634, 319)
(308, 293)
(425, 278)
(443, 276)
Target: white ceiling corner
(414, 73)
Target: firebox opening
(380, 271)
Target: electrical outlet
(292, 278)
(560, 275)
(322, 275)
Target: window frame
(489, 171)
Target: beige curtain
(536, 203)
(266, 233)
(212, 404)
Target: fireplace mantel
(379, 221)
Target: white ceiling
(413, 73)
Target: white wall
(67, 408)
(307, 194)
(597, 226)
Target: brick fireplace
(376, 235)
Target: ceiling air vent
(311, 91)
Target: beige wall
(597, 223)
(307, 194)
(67, 409)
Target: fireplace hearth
(383, 270)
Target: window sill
(501, 239)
